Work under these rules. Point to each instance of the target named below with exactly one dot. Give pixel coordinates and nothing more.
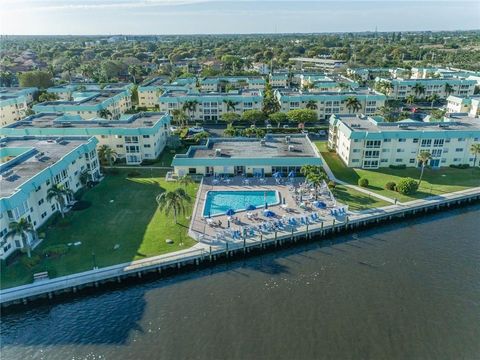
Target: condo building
(321, 83)
(370, 142)
(323, 64)
(14, 103)
(211, 105)
(279, 80)
(67, 91)
(29, 167)
(469, 105)
(226, 83)
(134, 137)
(423, 88)
(150, 90)
(371, 73)
(90, 104)
(248, 156)
(328, 103)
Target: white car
(269, 126)
(286, 126)
(196, 129)
(173, 129)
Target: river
(406, 290)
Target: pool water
(218, 202)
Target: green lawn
(356, 200)
(166, 157)
(435, 181)
(124, 212)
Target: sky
(90, 17)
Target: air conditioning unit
(287, 139)
(218, 152)
(291, 148)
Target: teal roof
(238, 96)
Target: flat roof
(189, 93)
(24, 158)
(357, 91)
(274, 147)
(59, 120)
(89, 97)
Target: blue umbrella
(277, 175)
(291, 174)
(230, 212)
(268, 213)
(251, 207)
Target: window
(372, 154)
(146, 136)
(438, 143)
(40, 202)
(387, 140)
(356, 150)
(373, 143)
(415, 141)
(385, 150)
(147, 145)
(53, 207)
(119, 146)
(426, 142)
(44, 214)
(400, 150)
(402, 140)
(458, 149)
(411, 161)
(398, 160)
(461, 139)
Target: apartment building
(226, 83)
(401, 88)
(324, 64)
(91, 104)
(32, 165)
(321, 83)
(279, 80)
(369, 142)
(134, 137)
(470, 105)
(328, 103)
(14, 103)
(210, 106)
(150, 90)
(371, 73)
(69, 92)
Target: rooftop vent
(218, 152)
(7, 174)
(287, 139)
(291, 148)
(262, 142)
(148, 122)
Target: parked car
(286, 126)
(322, 133)
(269, 126)
(174, 129)
(196, 129)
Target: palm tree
(475, 150)
(423, 158)
(433, 98)
(179, 117)
(134, 70)
(312, 105)
(419, 89)
(230, 104)
(107, 154)
(448, 89)
(410, 99)
(353, 105)
(22, 228)
(84, 177)
(105, 113)
(173, 201)
(344, 86)
(59, 193)
(185, 180)
(191, 107)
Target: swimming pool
(218, 202)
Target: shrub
(133, 173)
(461, 166)
(30, 262)
(332, 184)
(363, 182)
(390, 186)
(111, 171)
(398, 167)
(407, 186)
(81, 205)
(55, 250)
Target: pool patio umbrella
(291, 174)
(268, 213)
(251, 207)
(277, 175)
(230, 212)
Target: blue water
(218, 202)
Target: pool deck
(201, 231)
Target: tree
(185, 180)
(60, 193)
(23, 229)
(84, 177)
(270, 103)
(6, 78)
(230, 117)
(134, 71)
(198, 137)
(252, 116)
(302, 116)
(230, 104)
(433, 98)
(69, 66)
(438, 114)
(107, 154)
(46, 96)
(230, 131)
(173, 201)
(419, 89)
(190, 106)
(312, 105)
(278, 118)
(410, 99)
(407, 186)
(315, 175)
(179, 117)
(105, 113)
(352, 104)
(35, 78)
(423, 158)
(448, 89)
(475, 150)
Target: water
(218, 202)
(403, 291)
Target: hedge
(407, 186)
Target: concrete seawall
(204, 254)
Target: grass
(166, 157)
(123, 212)
(434, 182)
(356, 200)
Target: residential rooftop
(302, 93)
(23, 158)
(157, 81)
(87, 98)
(189, 93)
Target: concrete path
(358, 188)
